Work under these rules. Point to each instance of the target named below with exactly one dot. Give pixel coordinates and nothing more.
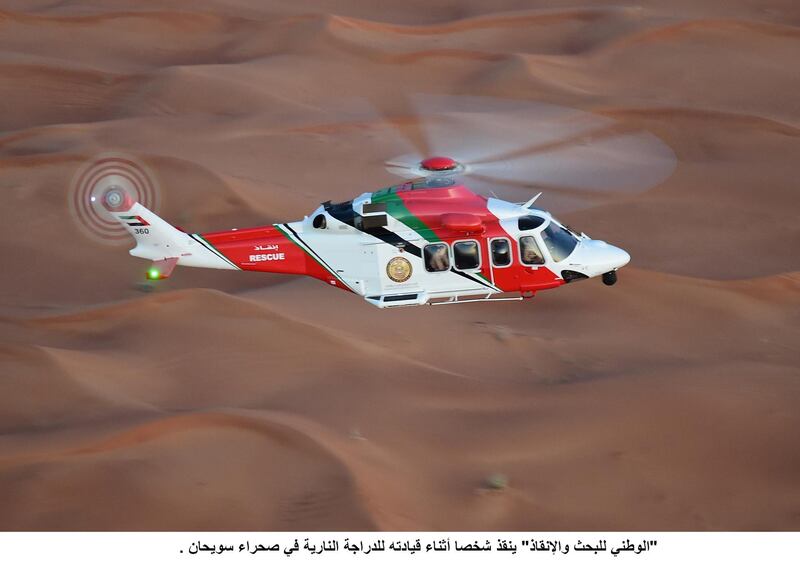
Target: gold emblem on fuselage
(399, 269)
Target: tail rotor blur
(106, 183)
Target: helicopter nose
(594, 258)
(618, 257)
(598, 257)
(605, 257)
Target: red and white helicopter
(427, 241)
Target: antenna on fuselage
(530, 202)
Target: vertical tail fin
(157, 239)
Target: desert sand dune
(260, 402)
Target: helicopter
(430, 240)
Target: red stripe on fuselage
(266, 249)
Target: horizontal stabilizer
(162, 268)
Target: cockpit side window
(320, 222)
(559, 241)
(529, 251)
(437, 257)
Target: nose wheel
(610, 278)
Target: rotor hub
(439, 164)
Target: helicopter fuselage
(432, 241)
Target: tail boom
(271, 249)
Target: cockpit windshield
(559, 241)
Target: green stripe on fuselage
(397, 209)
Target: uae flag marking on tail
(134, 221)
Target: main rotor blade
(628, 162)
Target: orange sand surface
(260, 402)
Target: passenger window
(466, 255)
(319, 222)
(501, 252)
(436, 257)
(531, 255)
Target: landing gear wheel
(610, 278)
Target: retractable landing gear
(610, 278)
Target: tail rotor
(110, 183)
